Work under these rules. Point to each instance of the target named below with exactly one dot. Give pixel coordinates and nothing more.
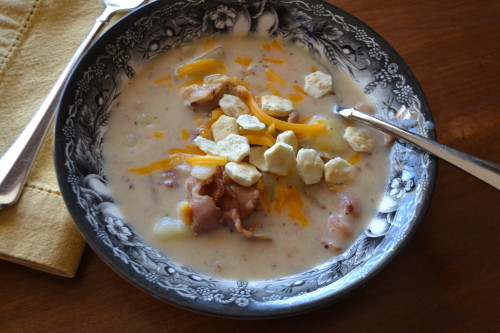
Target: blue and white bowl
(329, 33)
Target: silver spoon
(16, 163)
(487, 171)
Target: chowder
(225, 155)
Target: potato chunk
(168, 228)
(276, 106)
(280, 158)
(233, 106)
(338, 171)
(289, 138)
(359, 138)
(309, 166)
(223, 127)
(318, 84)
(242, 173)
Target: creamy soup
(161, 133)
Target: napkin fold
(37, 39)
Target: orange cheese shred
(205, 160)
(188, 149)
(254, 139)
(271, 129)
(185, 213)
(185, 134)
(158, 135)
(162, 79)
(209, 44)
(272, 89)
(277, 46)
(165, 164)
(354, 159)
(274, 77)
(274, 60)
(297, 88)
(243, 61)
(263, 133)
(314, 128)
(296, 98)
(211, 66)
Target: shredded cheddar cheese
(185, 134)
(188, 149)
(162, 79)
(262, 133)
(243, 61)
(272, 129)
(277, 46)
(254, 139)
(299, 89)
(266, 47)
(274, 77)
(205, 160)
(272, 89)
(165, 164)
(317, 127)
(274, 60)
(185, 213)
(291, 199)
(209, 44)
(204, 65)
(158, 135)
(296, 98)
(354, 159)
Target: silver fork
(16, 163)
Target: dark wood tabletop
(446, 280)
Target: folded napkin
(37, 39)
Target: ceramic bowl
(328, 32)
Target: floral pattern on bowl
(331, 35)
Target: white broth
(150, 118)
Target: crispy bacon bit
(337, 224)
(349, 206)
(169, 178)
(218, 200)
(205, 214)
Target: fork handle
(17, 161)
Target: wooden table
(448, 278)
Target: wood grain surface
(446, 280)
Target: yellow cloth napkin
(37, 39)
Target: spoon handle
(487, 171)
(16, 163)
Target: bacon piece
(339, 226)
(349, 206)
(205, 214)
(169, 178)
(246, 199)
(219, 197)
